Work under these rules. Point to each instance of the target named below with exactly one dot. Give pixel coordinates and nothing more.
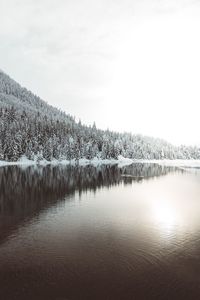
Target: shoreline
(121, 161)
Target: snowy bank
(81, 162)
(191, 163)
(121, 161)
(181, 163)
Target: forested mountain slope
(31, 127)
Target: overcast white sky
(127, 65)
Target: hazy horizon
(131, 66)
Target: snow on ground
(82, 162)
(121, 161)
(191, 163)
(22, 161)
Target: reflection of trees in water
(24, 193)
(34, 186)
(140, 170)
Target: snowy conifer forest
(32, 128)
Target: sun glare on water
(165, 215)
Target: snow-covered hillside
(32, 128)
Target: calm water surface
(99, 233)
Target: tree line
(31, 127)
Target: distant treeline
(31, 127)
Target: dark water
(99, 233)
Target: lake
(70, 233)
